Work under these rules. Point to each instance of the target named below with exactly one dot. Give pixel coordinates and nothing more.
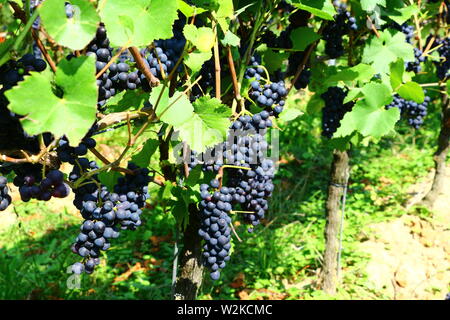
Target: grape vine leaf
(397, 69)
(138, 22)
(302, 37)
(142, 159)
(70, 113)
(369, 116)
(400, 14)
(189, 10)
(126, 100)
(370, 5)
(74, 33)
(224, 13)
(411, 91)
(382, 51)
(176, 111)
(360, 72)
(202, 38)
(230, 39)
(109, 178)
(207, 126)
(322, 8)
(273, 60)
(196, 59)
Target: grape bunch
(418, 59)
(406, 29)
(334, 110)
(410, 110)
(69, 154)
(269, 96)
(247, 186)
(100, 49)
(443, 66)
(215, 228)
(31, 185)
(332, 34)
(207, 81)
(106, 213)
(255, 70)
(5, 198)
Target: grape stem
(234, 232)
(216, 58)
(154, 82)
(110, 62)
(372, 26)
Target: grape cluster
(334, 110)
(406, 29)
(66, 153)
(163, 58)
(343, 23)
(255, 70)
(410, 110)
(215, 228)
(31, 185)
(418, 59)
(269, 96)
(303, 80)
(246, 186)
(443, 66)
(106, 213)
(5, 198)
(100, 49)
(207, 81)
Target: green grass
(279, 260)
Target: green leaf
(290, 114)
(368, 120)
(207, 126)
(273, 60)
(370, 5)
(142, 159)
(188, 10)
(224, 13)
(377, 94)
(411, 91)
(202, 38)
(194, 176)
(74, 33)
(138, 22)
(178, 111)
(214, 113)
(381, 52)
(315, 104)
(126, 100)
(360, 72)
(230, 39)
(302, 37)
(163, 98)
(322, 8)
(401, 15)
(109, 178)
(353, 94)
(71, 114)
(196, 59)
(397, 69)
